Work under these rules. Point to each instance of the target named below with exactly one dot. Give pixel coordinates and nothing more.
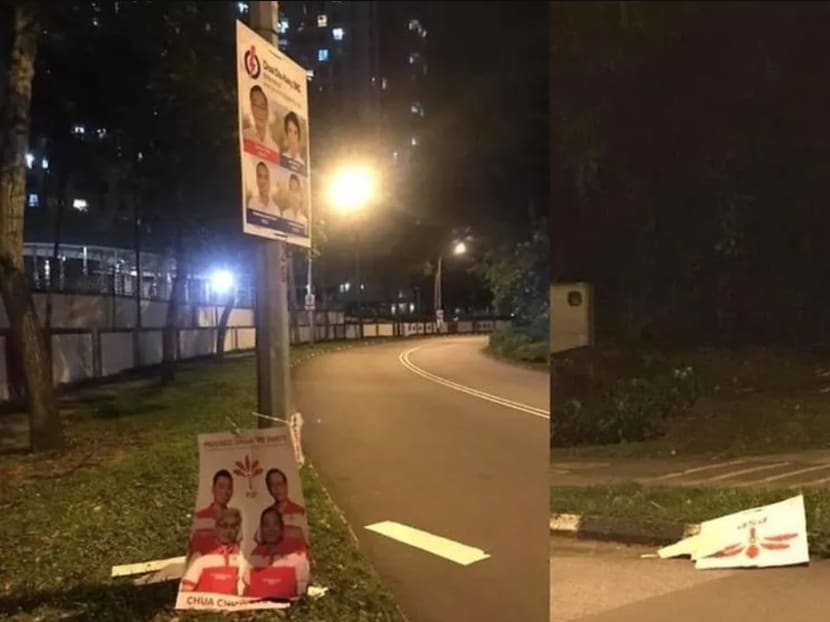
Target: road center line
(525, 408)
(442, 547)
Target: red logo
(249, 470)
(751, 549)
(252, 63)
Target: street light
(458, 248)
(222, 281)
(351, 190)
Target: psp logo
(252, 63)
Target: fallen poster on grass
(761, 537)
(248, 547)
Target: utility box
(571, 316)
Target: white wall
(150, 347)
(571, 316)
(196, 342)
(72, 357)
(116, 352)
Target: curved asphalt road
(393, 445)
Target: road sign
(273, 141)
(309, 302)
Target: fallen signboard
(762, 537)
(248, 547)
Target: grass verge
(660, 505)
(123, 492)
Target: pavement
(604, 582)
(438, 436)
(803, 469)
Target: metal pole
(359, 284)
(273, 335)
(439, 286)
(313, 311)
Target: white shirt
(255, 202)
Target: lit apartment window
(80, 205)
(44, 164)
(78, 130)
(283, 43)
(322, 20)
(417, 108)
(30, 160)
(242, 7)
(337, 33)
(322, 55)
(414, 24)
(309, 73)
(383, 84)
(413, 141)
(283, 27)
(34, 200)
(102, 132)
(374, 81)
(413, 57)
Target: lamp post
(458, 248)
(350, 192)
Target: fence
(101, 348)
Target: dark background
(690, 168)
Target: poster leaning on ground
(248, 546)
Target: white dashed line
(696, 470)
(780, 476)
(442, 547)
(754, 469)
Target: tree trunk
(28, 339)
(171, 332)
(222, 328)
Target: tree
(28, 339)
(517, 275)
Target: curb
(620, 530)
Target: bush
(596, 401)
(527, 344)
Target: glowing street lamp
(459, 248)
(352, 188)
(222, 281)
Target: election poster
(248, 547)
(272, 95)
(770, 535)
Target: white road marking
(754, 469)
(525, 408)
(696, 470)
(425, 541)
(775, 478)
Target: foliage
(598, 402)
(529, 344)
(517, 275)
(683, 209)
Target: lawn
(751, 402)
(123, 492)
(661, 505)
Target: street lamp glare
(459, 249)
(222, 281)
(352, 188)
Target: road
(411, 439)
(603, 582)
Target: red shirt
(280, 571)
